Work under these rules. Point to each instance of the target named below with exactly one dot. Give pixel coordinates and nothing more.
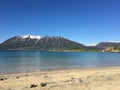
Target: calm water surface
(22, 61)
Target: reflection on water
(18, 61)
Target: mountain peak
(31, 36)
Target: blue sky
(84, 21)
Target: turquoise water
(22, 61)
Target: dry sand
(78, 79)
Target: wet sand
(76, 79)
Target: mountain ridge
(29, 42)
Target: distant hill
(104, 45)
(39, 43)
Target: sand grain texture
(79, 79)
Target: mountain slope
(57, 43)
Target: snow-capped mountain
(40, 43)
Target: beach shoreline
(106, 78)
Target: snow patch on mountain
(94, 44)
(31, 36)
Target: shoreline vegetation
(106, 78)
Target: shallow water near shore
(25, 61)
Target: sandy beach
(78, 79)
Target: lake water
(23, 61)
